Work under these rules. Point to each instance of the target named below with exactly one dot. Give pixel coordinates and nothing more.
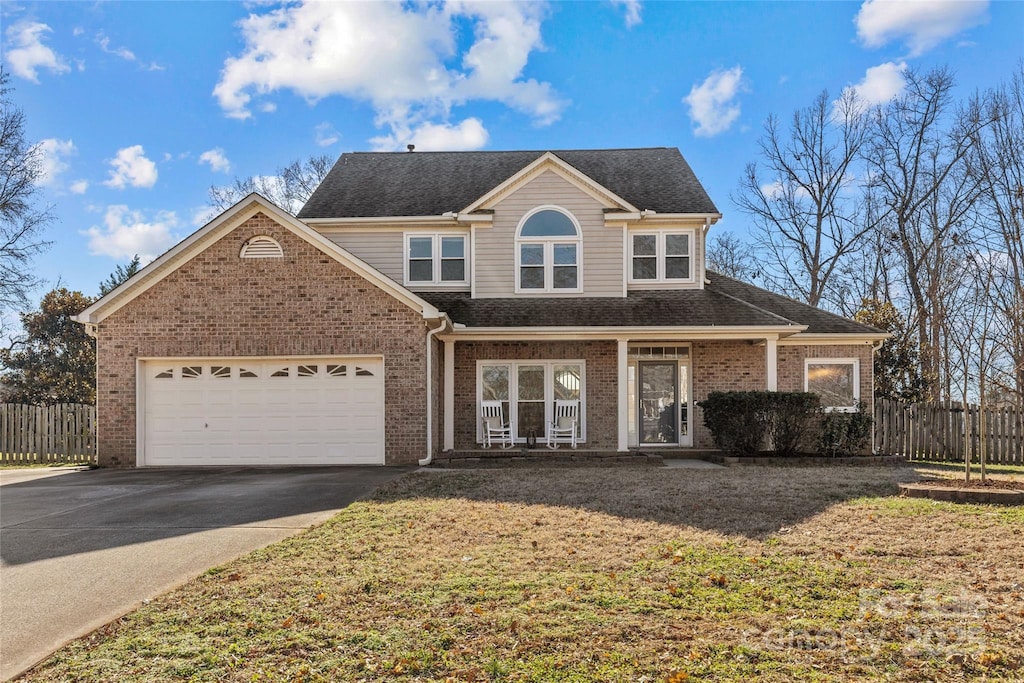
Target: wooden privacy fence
(65, 432)
(947, 431)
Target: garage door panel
(231, 411)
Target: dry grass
(744, 574)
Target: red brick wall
(723, 366)
(306, 303)
(601, 383)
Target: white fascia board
(220, 226)
(654, 217)
(460, 333)
(824, 339)
(549, 161)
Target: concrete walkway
(80, 548)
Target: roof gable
(222, 225)
(391, 184)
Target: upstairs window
(548, 245)
(435, 259)
(661, 256)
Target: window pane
(565, 277)
(453, 270)
(453, 247)
(494, 383)
(645, 268)
(531, 278)
(421, 271)
(567, 382)
(645, 245)
(677, 267)
(531, 383)
(548, 223)
(420, 247)
(565, 254)
(677, 245)
(833, 382)
(531, 254)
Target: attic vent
(261, 246)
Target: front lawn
(742, 574)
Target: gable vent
(261, 246)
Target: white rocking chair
(563, 429)
(495, 427)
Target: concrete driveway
(80, 548)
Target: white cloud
(125, 233)
(881, 83)
(216, 159)
(52, 155)
(122, 52)
(713, 105)
(131, 167)
(326, 135)
(632, 8)
(433, 137)
(920, 25)
(420, 70)
(202, 215)
(79, 186)
(27, 54)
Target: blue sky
(141, 106)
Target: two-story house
(413, 287)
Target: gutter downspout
(445, 323)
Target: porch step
(562, 457)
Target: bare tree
(805, 201)
(916, 167)
(289, 187)
(997, 161)
(21, 220)
(730, 256)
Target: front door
(658, 397)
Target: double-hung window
(548, 245)
(528, 390)
(661, 256)
(435, 259)
(835, 380)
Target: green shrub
(843, 434)
(792, 421)
(741, 422)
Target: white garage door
(236, 411)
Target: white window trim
(549, 399)
(855, 362)
(660, 255)
(435, 259)
(549, 253)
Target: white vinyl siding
(495, 252)
(382, 250)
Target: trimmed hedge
(743, 422)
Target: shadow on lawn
(84, 511)
(750, 501)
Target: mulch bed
(976, 484)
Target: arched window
(261, 246)
(548, 246)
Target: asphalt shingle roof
(723, 303)
(379, 184)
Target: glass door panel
(658, 411)
(530, 401)
(684, 403)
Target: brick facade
(723, 366)
(306, 303)
(601, 383)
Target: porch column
(771, 360)
(449, 395)
(623, 395)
